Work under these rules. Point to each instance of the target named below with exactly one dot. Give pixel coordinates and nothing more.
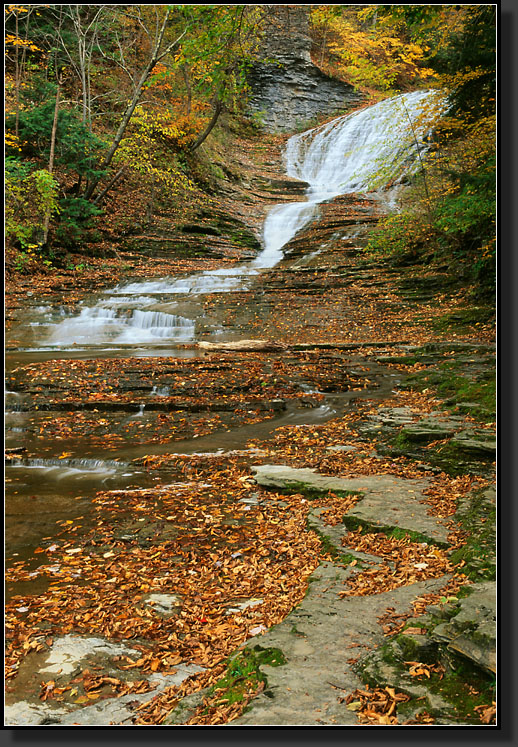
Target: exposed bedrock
(288, 90)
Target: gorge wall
(288, 90)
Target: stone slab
(387, 501)
(472, 631)
(317, 639)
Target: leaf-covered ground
(233, 558)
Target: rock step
(388, 502)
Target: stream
(359, 152)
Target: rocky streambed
(287, 519)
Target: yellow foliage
(15, 41)
(375, 56)
(12, 141)
(151, 143)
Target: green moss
(402, 444)
(243, 674)
(465, 688)
(478, 520)
(456, 382)
(453, 695)
(459, 319)
(328, 547)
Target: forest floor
(325, 556)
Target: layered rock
(288, 90)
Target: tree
(96, 77)
(371, 53)
(13, 43)
(78, 38)
(455, 219)
(30, 196)
(159, 50)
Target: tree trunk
(52, 153)
(187, 81)
(217, 111)
(109, 185)
(155, 57)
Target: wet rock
(25, 713)
(164, 605)
(68, 651)
(424, 432)
(248, 604)
(121, 711)
(471, 444)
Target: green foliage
(469, 215)
(399, 236)
(76, 216)
(467, 60)
(29, 196)
(455, 221)
(77, 149)
(219, 49)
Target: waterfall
(76, 470)
(102, 323)
(358, 152)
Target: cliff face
(287, 89)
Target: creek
(360, 152)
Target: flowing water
(359, 152)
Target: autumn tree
(456, 221)
(367, 51)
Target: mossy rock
(244, 673)
(449, 696)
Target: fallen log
(244, 346)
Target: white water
(77, 470)
(359, 152)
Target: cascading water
(359, 152)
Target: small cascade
(161, 391)
(156, 324)
(57, 470)
(103, 323)
(214, 281)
